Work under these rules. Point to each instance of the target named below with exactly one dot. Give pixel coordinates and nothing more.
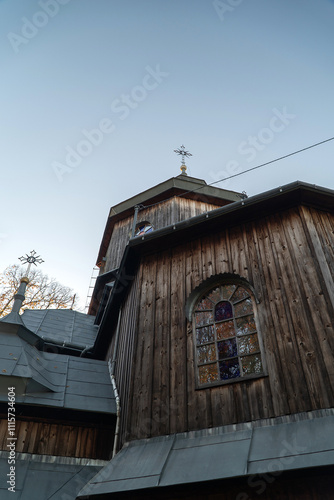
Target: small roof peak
(14, 315)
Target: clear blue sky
(238, 82)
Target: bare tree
(42, 292)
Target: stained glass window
(143, 228)
(223, 310)
(226, 337)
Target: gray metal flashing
(55, 459)
(304, 440)
(46, 477)
(181, 182)
(61, 326)
(52, 379)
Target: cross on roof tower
(181, 151)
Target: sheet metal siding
(161, 215)
(288, 259)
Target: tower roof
(182, 186)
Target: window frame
(193, 301)
(144, 223)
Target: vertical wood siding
(289, 260)
(161, 215)
(46, 438)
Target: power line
(272, 161)
(245, 171)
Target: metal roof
(64, 325)
(286, 443)
(52, 379)
(46, 477)
(185, 184)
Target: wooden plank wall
(161, 215)
(288, 259)
(125, 350)
(50, 438)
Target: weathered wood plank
(287, 309)
(178, 346)
(142, 398)
(43, 439)
(72, 441)
(267, 316)
(125, 365)
(237, 252)
(224, 408)
(161, 363)
(223, 261)
(208, 259)
(274, 254)
(308, 281)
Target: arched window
(226, 338)
(143, 228)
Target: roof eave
(189, 187)
(275, 200)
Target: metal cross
(181, 151)
(31, 259)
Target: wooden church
(207, 369)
